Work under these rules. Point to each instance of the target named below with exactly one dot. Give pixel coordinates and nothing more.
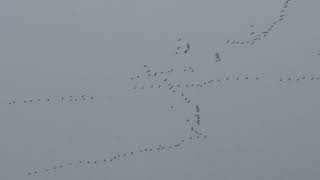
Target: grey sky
(257, 129)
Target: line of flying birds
(157, 81)
(257, 36)
(61, 99)
(108, 161)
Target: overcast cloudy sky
(67, 101)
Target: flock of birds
(107, 161)
(158, 78)
(254, 36)
(257, 36)
(74, 99)
(162, 80)
(194, 133)
(183, 47)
